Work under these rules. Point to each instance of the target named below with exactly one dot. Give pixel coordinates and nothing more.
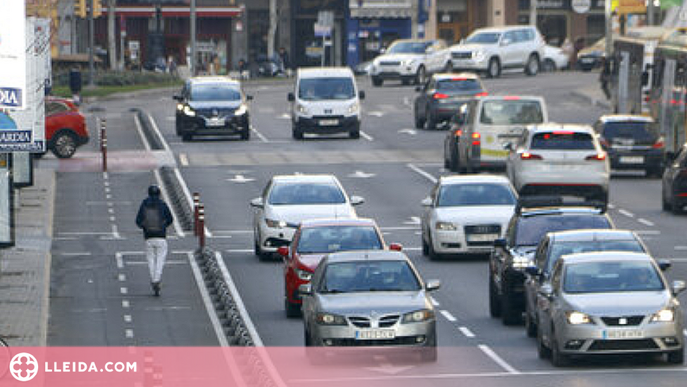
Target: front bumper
(273, 238)
(413, 334)
(393, 72)
(213, 126)
(456, 242)
(314, 124)
(469, 64)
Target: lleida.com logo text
(25, 367)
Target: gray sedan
(369, 298)
(606, 303)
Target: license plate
(623, 334)
(631, 159)
(329, 122)
(587, 60)
(482, 237)
(375, 334)
(213, 122)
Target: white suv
(411, 60)
(559, 159)
(491, 50)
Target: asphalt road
(393, 167)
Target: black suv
(533, 218)
(212, 106)
(442, 96)
(674, 187)
(631, 142)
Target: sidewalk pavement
(25, 268)
(593, 95)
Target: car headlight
(180, 107)
(445, 226)
(417, 316)
(275, 223)
(520, 262)
(478, 56)
(578, 318)
(330, 319)
(189, 112)
(301, 109)
(241, 110)
(353, 108)
(664, 315)
(304, 274)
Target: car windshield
(611, 276)
(408, 48)
(329, 239)
(312, 89)
(532, 229)
(511, 112)
(560, 249)
(628, 130)
(214, 92)
(475, 195)
(368, 276)
(458, 85)
(484, 38)
(562, 140)
(306, 193)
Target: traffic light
(80, 8)
(97, 8)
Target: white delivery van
(326, 100)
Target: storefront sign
(581, 6)
(630, 6)
(12, 55)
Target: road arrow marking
(361, 175)
(376, 114)
(285, 116)
(413, 220)
(387, 368)
(240, 179)
(411, 132)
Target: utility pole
(192, 62)
(533, 13)
(111, 42)
(609, 29)
(91, 44)
(273, 29)
(650, 13)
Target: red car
(65, 127)
(316, 238)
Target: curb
(591, 100)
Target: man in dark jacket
(154, 217)
(75, 84)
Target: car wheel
(558, 359)
(509, 312)
(494, 299)
(447, 162)
(377, 81)
(664, 203)
(292, 310)
(431, 122)
(675, 207)
(245, 135)
(177, 128)
(256, 247)
(425, 245)
(654, 172)
(420, 76)
(530, 325)
(542, 351)
(306, 337)
(433, 255)
(454, 161)
(63, 145)
(549, 65)
(532, 66)
(296, 132)
(494, 68)
(419, 121)
(676, 357)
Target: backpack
(152, 219)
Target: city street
(100, 291)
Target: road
(393, 166)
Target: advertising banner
(12, 55)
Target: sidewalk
(25, 268)
(593, 95)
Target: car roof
(593, 235)
(414, 41)
(323, 222)
(606, 256)
(366, 255)
(502, 28)
(323, 72)
(512, 98)
(456, 77)
(553, 127)
(469, 179)
(564, 211)
(625, 118)
(214, 79)
(304, 178)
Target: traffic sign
(581, 6)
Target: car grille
(214, 112)
(360, 322)
(388, 321)
(628, 321)
(619, 345)
(327, 117)
(461, 55)
(364, 322)
(389, 63)
(481, 229)
(374, 343)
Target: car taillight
(596, 157)
(511, 98)
(658, 144)
(482, 94)
(529, 156)
(440, 96)
(476, 138)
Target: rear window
(560, 249)
(336, 238)
(562, 141)
(633, 130)
(471, 85)
(511, 112)
(532, 229)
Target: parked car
(557, 244)
(632, 142)
(609, 303)
(314, 239)
(591, 57)
(369, 298)
(554, 59)
(441, 97)
(491, 50)
(65, 127)
(674, 183)
(411, 60)
(465, 214)
(287, 200)
(212, 106)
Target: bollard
(196, 205)
(103, 142)
(201, 226)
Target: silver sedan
(607, 303)
(369, 298)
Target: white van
(326, 100)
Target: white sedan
(554, 58)
(289, 199)
(465, 214)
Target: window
(532, 229)
(55, 107)
(368, 276)
(305, 193)
(484, 38)
(564, 248)
(611, 276)
(215, 92)
(562, 141)
(475, 195)
(313, 89)
(510, 35)
(511, 112)
(635, 130)
(330, 239)
(467, 85)
(408, 48)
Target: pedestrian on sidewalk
(154, 217)
(75, 84)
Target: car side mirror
(678, 287)
(418, 88)
(505, 42)
(396, 247)
(546, 290)
(257, 203)
(501, 242)
(382, 50)
(508, 146)
(291, 97)
(533, 271)
(427, 202)
(645, 78)
(249, 97)
(357, 200)
(430, 50)
(283, 251)
(432, 285)
(361, 94)
(177, 97)
(305, 289)
(664, 264)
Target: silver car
(369, 298)
(607, 303)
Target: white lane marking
(434, 301)
(260, 135)
(124, 290)
(156, 129)
(127, 318)
(411, 132)
(400, 228)
(467, 332)
(375, 114)
(240, 179)
(209, 306)
(413, 220)
(126, 304)
(239, 250)
(106, 183)
(412, 248)
(113, 219)
(497, 359)
(448, 315)
(168, 262)
(129, 333)
(626, 213)
(107, 189)
(106, 175)
(366, 136)
(139, 129)
(65, 239)
(76, 254)
(110, 210)
(406, 101)
(121, 277)
(684, 332)
(108, 196)
(183, 159)
(681, 248)
(115, 232)
(427, 175)
(120, 260)
(646, 222)
(611, 206)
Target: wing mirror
(418, 88)
(664, 264)
(501, 242)
(305, 289)
(427, 202)
(177, 97)
(290, 97)
(361, 94)
(678, 287)
(257, 203)
(357, 200)
(508, 146)
(249, 97)
(283, 251)
(432, 285)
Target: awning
(376, 9)
(181, 11)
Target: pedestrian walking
(154, 217)
(75, 84)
